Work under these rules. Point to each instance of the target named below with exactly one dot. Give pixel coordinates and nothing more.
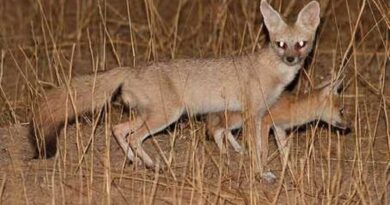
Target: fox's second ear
(309, 16)
(272, 19)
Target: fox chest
(266, 93)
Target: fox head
(330, 105)
(292, 43)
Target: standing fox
(162, 92)
(323, 104)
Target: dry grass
(44, 43)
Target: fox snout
(291, 60)
(341, 125)
(344, 127)
(292, 55)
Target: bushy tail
(84, 94)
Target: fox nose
(290, 59)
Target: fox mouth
(343, 128)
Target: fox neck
(308, 109)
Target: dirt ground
(44, 42)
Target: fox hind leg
(236, 146)
(218, 138)
(121, 133)
(154, 122)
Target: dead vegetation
(44, 43)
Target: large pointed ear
(272, 19)
(309, 16)
(328, 87)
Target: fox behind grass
(323, 103)
(162, 92)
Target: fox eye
(281, 44)
(300, 44)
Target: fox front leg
(218, 138)
(236, 146)
(261, 141)
(282, 142)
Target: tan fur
(289, 111)
(85, 92)
(162, 92)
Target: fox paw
(269, 177)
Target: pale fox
(162, 92)
(323, 103)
